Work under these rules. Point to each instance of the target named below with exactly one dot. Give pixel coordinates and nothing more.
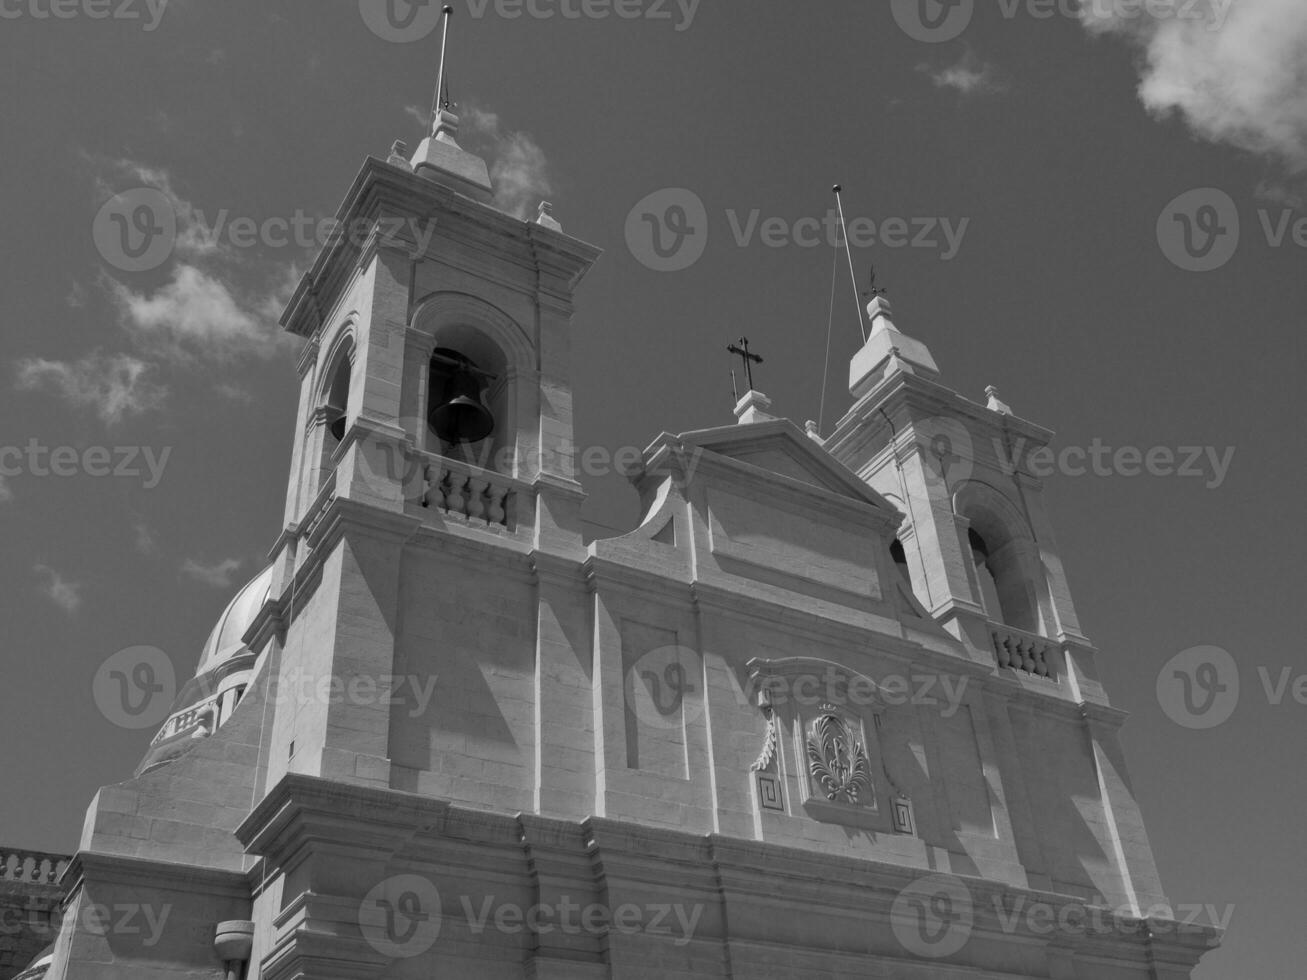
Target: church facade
(827, 711)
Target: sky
(1097, 208)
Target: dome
(225, 640)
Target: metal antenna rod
(853, 276)
(447, 14)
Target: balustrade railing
(473, 494)
(202, 715)
(1028, 652)
(31, 866)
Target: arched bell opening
(1006, 589)
(328, 424)
(337, 403)
(468, 413)
(458, 413)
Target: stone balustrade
(200, 716)
(31, 867)
(1027, 652)
(475, 495)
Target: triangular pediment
(780, 447)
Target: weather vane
(873, 290)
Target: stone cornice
(380, 189)
(922, 397)
(142, 872)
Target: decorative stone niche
(831, 718)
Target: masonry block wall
(30, 897)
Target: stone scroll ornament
(838, 763)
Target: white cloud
(970, 76)
(519, 170)
(114, 385)
(145, 542)
(196, 317)
(420, 116)
(63, 593)
(1235, 70)
(215, 309)
(219, 575)
(1282, 194)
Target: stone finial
(995, 405)
(813, 432)
(399, 156)
(545, 217)
(441, 159)
(753, 407)
(445, 127)
(880, 314)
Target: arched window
(336, 406)
(1008, 573)
(985, 578)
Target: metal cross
(750, 359)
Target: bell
(460, 416)
(337, 425)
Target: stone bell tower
(434, 397)
(977, 547)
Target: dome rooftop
(225, 641)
